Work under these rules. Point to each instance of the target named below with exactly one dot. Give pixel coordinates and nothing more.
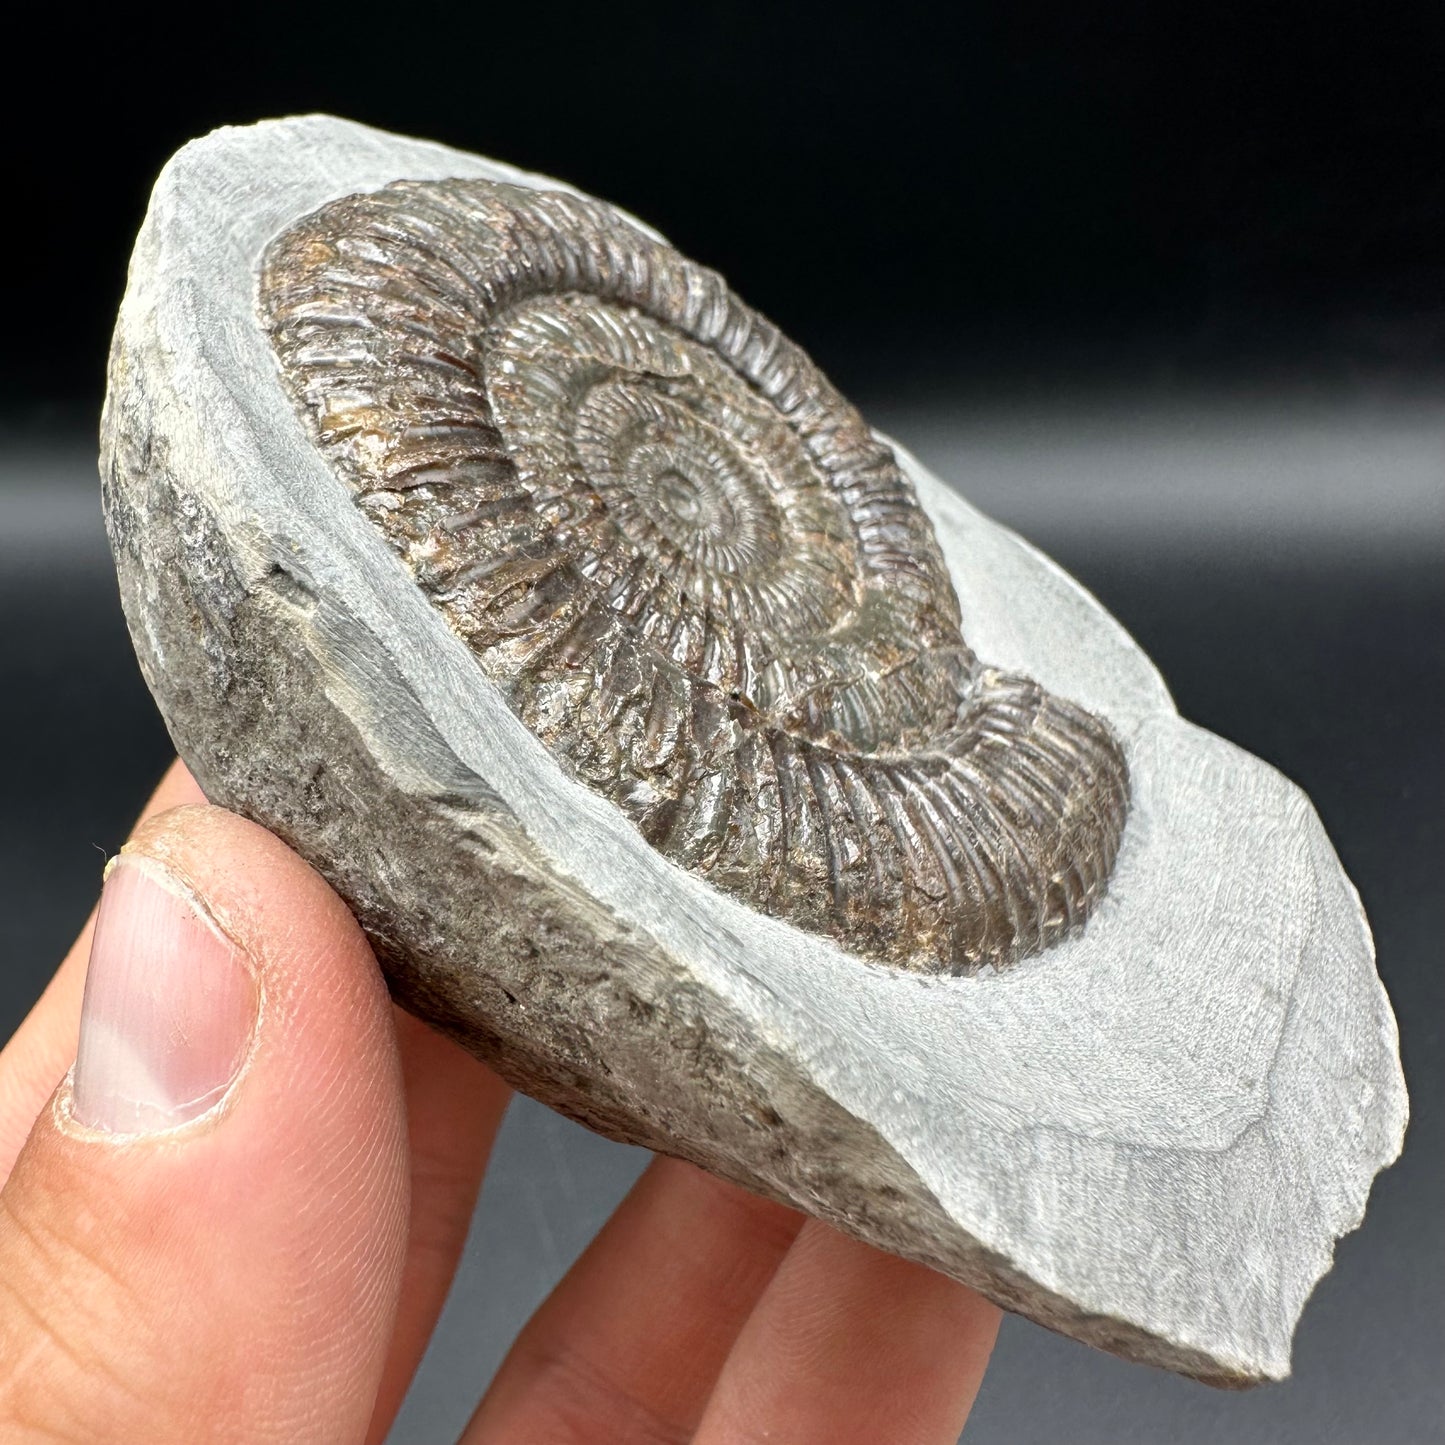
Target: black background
(1205, 231)
(1162, 192)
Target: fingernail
(170, 1006)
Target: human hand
(238, 1219)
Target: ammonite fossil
(694, 572)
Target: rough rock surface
(1148, 1137)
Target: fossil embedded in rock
(624, 685)
(694, 572)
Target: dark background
(1154, 191)
(1164, 288)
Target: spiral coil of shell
(696, 575)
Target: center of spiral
(679, 494)
(697, 496)
(682, 492)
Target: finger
(628, 1346)
(202, 1237)
(42, 1048)
(850, 1346)
(454, 1105)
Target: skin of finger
(850, 1346)
(43, 1047)
(234, 1279)
(454, 1106)
(629, 1345)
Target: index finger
(848, 1346)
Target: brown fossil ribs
(695, 574)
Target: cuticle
(63, 1114)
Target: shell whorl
(695, 574)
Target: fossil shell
(693, 571)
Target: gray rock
(1147, 1136)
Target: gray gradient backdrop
(1280, 557)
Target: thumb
(202, 1237)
